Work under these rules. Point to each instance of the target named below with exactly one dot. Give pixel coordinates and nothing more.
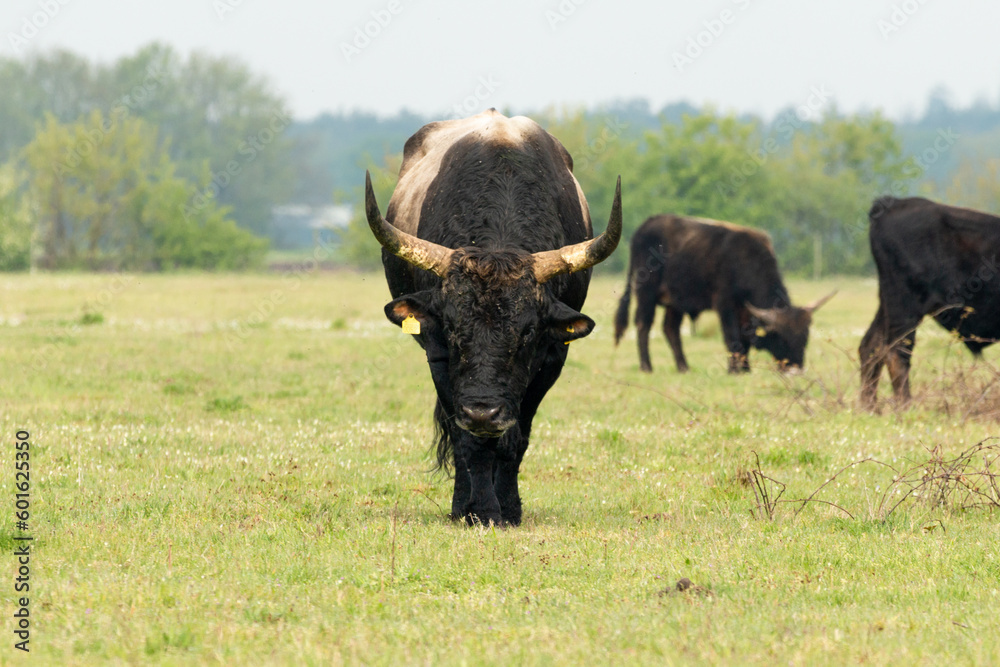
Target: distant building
(297, 226)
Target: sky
(453, 58)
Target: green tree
(105, 196)
(701, 166)
(56, 82)
(826, 178)
(704, 166)
(976, 185)
(224, 124)
(810, 187)
(220, 123)
(603, 146)
(358, 247)
(15, 221)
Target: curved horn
(815, 305)
(766, 315)
(418, 252)
(580, 256)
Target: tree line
(157, 161)
(807, 177)
(152, 162)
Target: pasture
(234, 470)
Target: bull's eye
(529, 331)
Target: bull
(487, 247)
(689, 265)
(932, 259)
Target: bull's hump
(425, 152)
(434, 139)
(758, 234)
(718, 223)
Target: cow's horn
(418, 252)
(815, 305)
(580, 256)
(766, 315)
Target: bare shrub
(968, 481)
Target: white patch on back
(422, 166)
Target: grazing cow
(689, 265)
(935, 260)
(487, 251)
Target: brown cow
(935, 260)
(688, 265)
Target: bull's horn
(766, 315)
(815, 305)
(580, 256)
(418, 252)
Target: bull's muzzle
(485, 421)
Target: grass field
(234, 470)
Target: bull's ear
(566, 324)
(416, 305)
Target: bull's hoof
(511, 518)
(646, 368)
(484, 519)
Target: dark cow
(935, 260)
(487, 257)
(689, 265)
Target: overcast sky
(433, 56)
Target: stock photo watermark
(713, 29)
(223, 7)
(366, 33)
(899, 17)
(562, 12)
(22, 550)
(247, 152)
(473, 103)
(984, 274)
(120, 110)
(265, 308)
(34, 23)
(41, 357)
(610, 133)
(786, 125)
(915, 167)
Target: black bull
(935, 260)
(487, 252)
(689, 265)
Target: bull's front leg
(505, 484)
(479, 459)
(505, 472)
(510, 451)
(463, 486)
(738, 346)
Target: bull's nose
(480, 415)
(484, 420)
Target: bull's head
(493, 318)
(784, 332)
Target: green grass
(233, 470)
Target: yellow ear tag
(411, 325)
(571, 330)
(761, 332)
